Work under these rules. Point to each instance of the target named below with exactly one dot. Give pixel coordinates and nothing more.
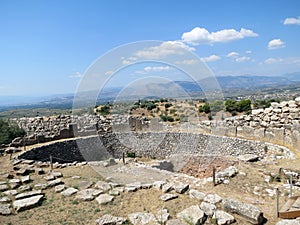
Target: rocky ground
(110, 192)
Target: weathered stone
(208, 208)
(137, 185)
(4, 187)
(168, 197)
(162, 216)
(27, 203)
(223, 218)
(10, 192)
(5, 209)
(56, 174)
(110, 220)
(247, 211)
(87, 194)
(25, 179)
(41, 186)
(23, 172)
(28, 194)
(249, 157)
(55, 182)
(180, 188)
(196, 194)
(14, 183)
(212, 198)
(103, 185)
(228, 172)
(167, 187)
(69, 191)
(288, 222)
(59, 188)
(158, 184)
(192, 215)
(24, 188)
(146, 186)
(104, 199)
(84, 185)
(49, 177)
(141, 218)
(131, 189)
(114, 192)
(175, 222)
(5, 199)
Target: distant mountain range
(227, 83)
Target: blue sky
(46, 46)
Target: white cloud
(291, 21)
(164, 49)
(248, 52)
(156, 68)
(187, 62)
(233, 54)
(201, 35)
(275, 44)
(242, 59)
(272, 60)
(211, 58)
(76, 75)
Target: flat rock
(25, 179)
(55, 182)
(288, 222)
(212, 198)
(59, 188)
(56, 174)
(175, 222)
(49, 177)
(142, 218)
(208, 208)
(5, 209)
(180, 188)
(192, 215)
(84, 184)
(69, 191)
(249, 212)
(27, 203)
(24, 188)
(110, 220)
(23, 172)
(5, 199)
(28, 194)
(146, 186)
(168, 197)
(223, 218)
(249, 158)
(4, 187)
(158, 184)
(87, 194)
(228, 172)
(167, 187)
(104, 199)
(10, 192)
(102, 185)
(41, 186)
(196, 194)
(114, 192)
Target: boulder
(142, 218)
(87, 194)
(27, 203)
(28, 194)
(69, 191)
(110, 220)
(168, 197)
(104, 199)
(5, 209)
(212, 198)
(249, 212)
(196, 194)
(180, 188)
(192, 215)
(223, 218)
(162, 216)
(208, 208)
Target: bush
(9, 131)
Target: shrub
(9, 131)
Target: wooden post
(51, 163)
(123, 157)
(277, 202)
(291, 185)
(214, 176)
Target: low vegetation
(9, 131)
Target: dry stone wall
(278, 124)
